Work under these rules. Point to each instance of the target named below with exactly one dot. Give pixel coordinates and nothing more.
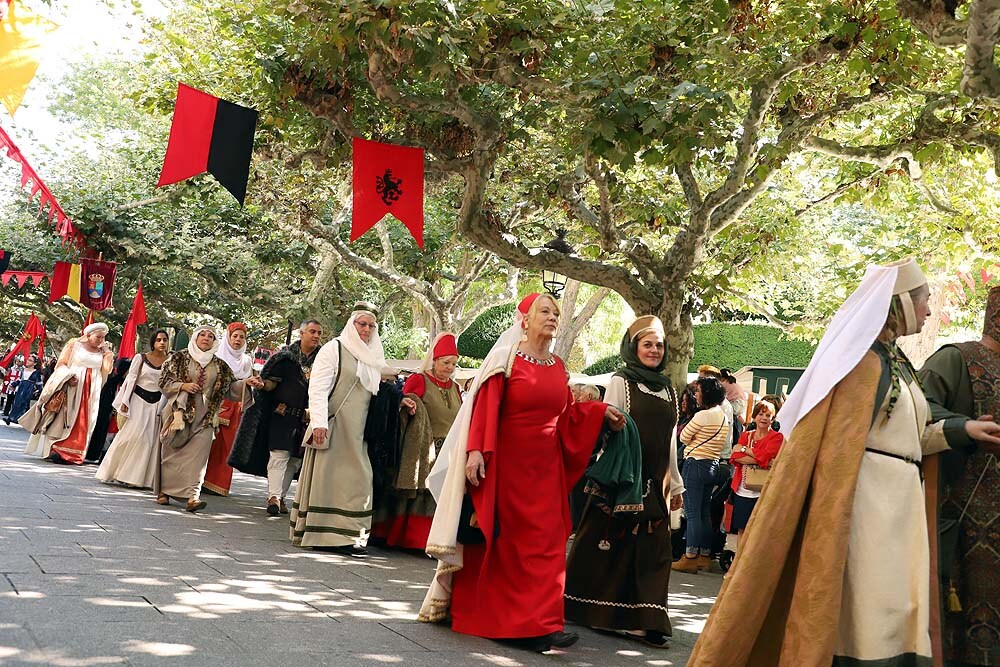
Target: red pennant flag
(135, 318)
(41, 344)
(209, 134)
(388, 179)
(87, 321)
(97, 282)
(32, 330)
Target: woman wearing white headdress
(838, 572)
(517, 447)
(62, 435)
(194, 382)
(233, 351)
(333, 503)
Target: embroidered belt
(285, 410)
(147, 395)
(905, 459)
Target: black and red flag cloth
(209, 134)
(4, 259)
(388, 179)
(46, 201)
(32, 330)
(127, 350)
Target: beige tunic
(333, 502)
(886, 595)
(181, 470)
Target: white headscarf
(850, 335)
(370, 355)
(95, 327)
(237, 359)
(203, 358)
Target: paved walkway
(92, 574)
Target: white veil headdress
(202, 357)
(850, 335)
(370, 355)
(446, 480)
(238, 361)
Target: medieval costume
(333, 501)
(106, 410)
(30, 384)
(962, 382)
(63, 434)
(834, 565)
(188, 421)
(631, 550)
(269, 441)
(219, 475)
(131, 459)
(405, 518)
(536, 442)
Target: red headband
(526, 302)
(236, 325)
(446, 347)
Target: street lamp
(554, 282)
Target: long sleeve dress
(536, 442)
(131, 459)
(183, 460)
(333, 502)
(632, 557)
(67, 437)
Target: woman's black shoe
(563, 639)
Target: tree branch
(753, 305)
(934, 21)
(689, 184)
(981, 76)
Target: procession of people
(879, 476)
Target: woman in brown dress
(619, 569)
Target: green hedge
(733, 346)
(477, 340)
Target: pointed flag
(41, 342)
(88, 320)
(21, 277)
(32, 330)
(388, 179)
(209, 134)
(22, 37)
(135, 318)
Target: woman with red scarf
(518, 446)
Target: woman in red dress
(233, 351)
(519, 445)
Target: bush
(477, 340)
(608, 364)
(736, 345)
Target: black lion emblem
(388, 188)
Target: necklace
(551, 361)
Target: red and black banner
(209, 134)
(388, 179)
(4, 259)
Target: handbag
(754, 477)
(56, 402)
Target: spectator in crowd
(757, 448)
(705, 438)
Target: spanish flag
(22, 37)
(65, 282)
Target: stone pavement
(92, 574)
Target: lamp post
(552, 281)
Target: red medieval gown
(536, 442)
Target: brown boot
(688, 564)
(272, 506)
(704, 562)
(282, 507)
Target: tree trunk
(675, 313)
(573, 321)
